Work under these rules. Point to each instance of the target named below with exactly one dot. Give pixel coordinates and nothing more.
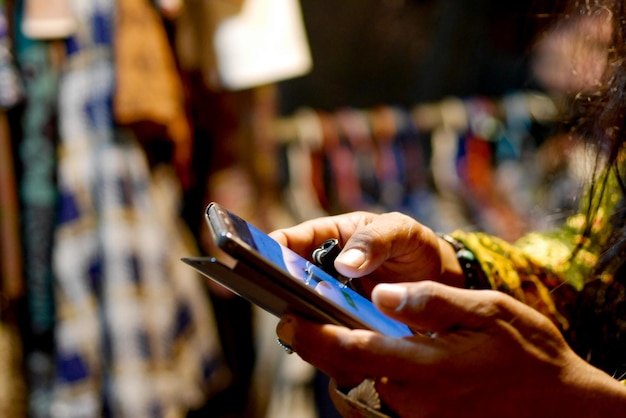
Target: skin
(476, 353)
(390, 247)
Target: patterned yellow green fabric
(539, 269)
(549, 270)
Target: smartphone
(278, 280)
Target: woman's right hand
(377, 248)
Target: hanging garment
(38, 198)
(263, 44)
(133, 338)
(11, 285)
(148, 87)
(11, 88)
(12, 384)
(412, 152)
(195, 32)
(11, 277)
(12, 381)
(389, 164)
(354, 130)
(302, 166)
(477, 161)
(13, 392)
(345, 190)
(47, 19)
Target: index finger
(307, 236)
(342, 353)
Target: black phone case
(260, 281)
(272, 292)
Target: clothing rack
(452, 163)
(449, 113)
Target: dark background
(401, 52)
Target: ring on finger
(288, 349)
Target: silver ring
(284, 346)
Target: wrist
(451, 271)
(460, 266)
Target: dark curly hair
(598, 320)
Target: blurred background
(121, 119)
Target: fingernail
(390, 296)
(352, 258)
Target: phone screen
(317, 279)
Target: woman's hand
(389, 247)
(481, 353)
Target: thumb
(434, 307)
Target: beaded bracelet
(475, 277)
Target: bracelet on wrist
(475, 277)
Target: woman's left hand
(478, 353)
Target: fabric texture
(148, 87)
(133, 332)
(38, 198)
(12, 90)
(12, 380)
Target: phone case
(279, 281)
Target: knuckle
(424, 295)
(494, 304)
(355, 343)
